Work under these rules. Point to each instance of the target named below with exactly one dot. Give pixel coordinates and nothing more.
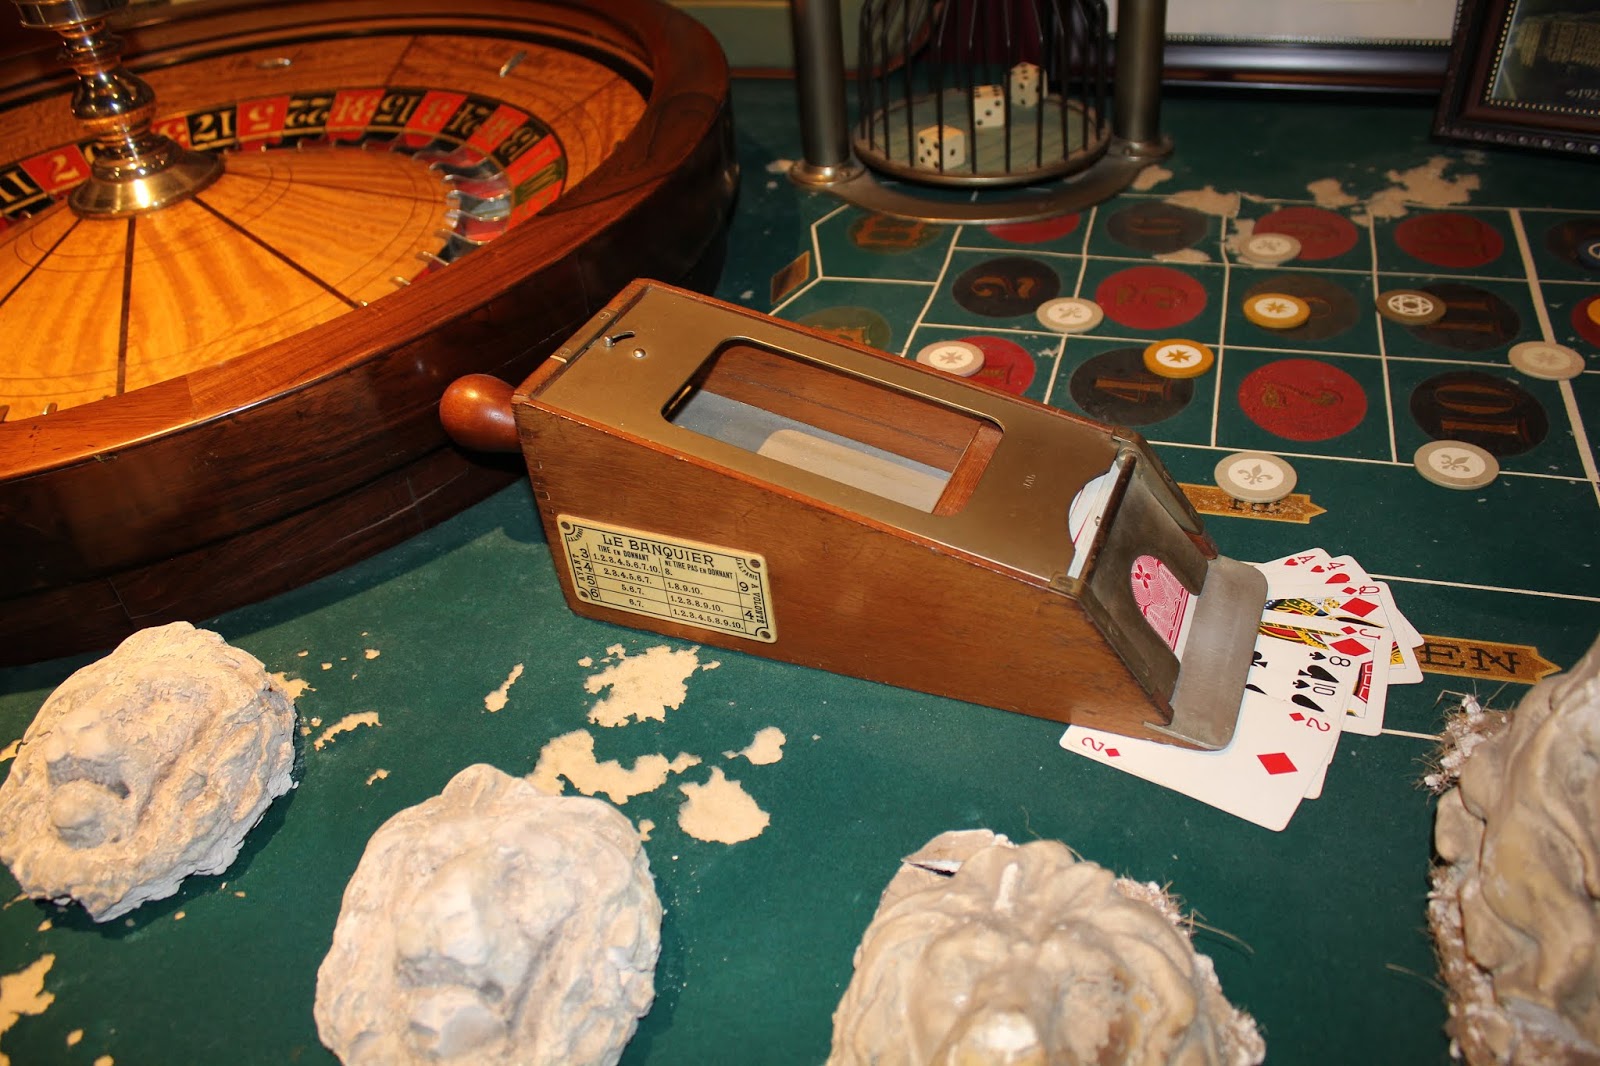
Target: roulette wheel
(215, 396)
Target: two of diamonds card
(1329, 645)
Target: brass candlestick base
(132, 168)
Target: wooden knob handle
(476, 413)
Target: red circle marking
(1583, 324)
(1322, 234)
(1046, 229)
(1302, 399)
(1151, 297)
(1007, 366)
(1449, 239)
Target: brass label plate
(668, 578)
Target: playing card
(1277, 752)
(1167, 606)
(1297, 575)
(1322, 663)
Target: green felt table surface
(1318, 931)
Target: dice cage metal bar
(934, 63)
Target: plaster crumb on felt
(780, 166)
(292, 686)
(720, 811)
(1185, 255)
(327, 666)
(377, 775)
(10, 750)
(372, 653)
(302, 654)
(180, 916)
(73, 1037)
(496, 700)
(1208, 201)
(571, 756)
(1150, 177)
(586, 662)
(766, 748)
(240, 895)
(105, 1060)
(23, 993)
(345, 725)
(641, 687)
(44, 926)
(1329, 193)
(646, 827)
(1422, 186)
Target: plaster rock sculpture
(143, 768)
(493, 924)
(1515, 906)
(982, 951)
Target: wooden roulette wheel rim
(231, 482)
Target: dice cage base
(1076, 140)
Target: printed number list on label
(661, 577)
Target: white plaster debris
(74, 1037)
(780, 166)
(345, 725)
(22, 993)
(372, 653)
(1423, 186)
(984, 951)
(493, 924)
(1208, 201)
(143, 768)
(571, 756)
(377, 775)
(1329, 193)
(1150, 177)
(646, 827)
(720, 811)
(496, 700)
(1185, 255)
(642, 687)
(766, 748)
(294, 686)
(10, 750)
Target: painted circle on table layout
(1449, 239)
(1567, 239)
(1157, 227)
(1456, 464)
(1302, 399)
(1040, 232)
(1115, 387)
(1322, 234)
(1007, 366)
(861, 325)
(1006, 287)
(1151, 298)
(1333, 307)
(1584, 320)
(1468, 405)
(888, 235)
(1475, 319)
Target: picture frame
(1524, 74)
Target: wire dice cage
(973, 92)
(980, 94)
